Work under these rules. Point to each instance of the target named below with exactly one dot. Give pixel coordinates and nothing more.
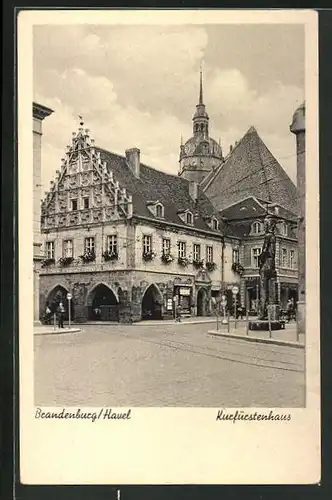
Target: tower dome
(200, 154)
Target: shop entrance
(201, 302)
(152, 303)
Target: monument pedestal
(264, 324)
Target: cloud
(138, 86)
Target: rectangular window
(147, 244)
(236, 256)
(68, 248)
(284, 257)
(255, 254)
(89, 244)
(197, 252)
(209, 253)
(50, 249)
(182, 249)
(166, 246)
(292, 259)
(85, 203)
(112, 244)
(74, 204)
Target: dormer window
(257, 228)
(186, 216)
(284, 229)
(189, 218)
(215, 224)
(159, 211)
(156, 208)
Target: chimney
(193, 190)
(133, 160)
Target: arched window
(202, 127)
(196, 127)
(257, 227)
(159, 211)
(189, 218)
(215, 224)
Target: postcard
(168, 170)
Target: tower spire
(201, 85)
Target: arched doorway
(201, 302)
(57, 295)
(102, 304)
(152, 303)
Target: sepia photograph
(169, 202)
(169, 185)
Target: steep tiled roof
(154, 185)
(240, 216)
(251, 207)
(250, 170)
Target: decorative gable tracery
(84, 176)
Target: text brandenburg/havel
(102, 414)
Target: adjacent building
(244, 188)
(298, 128)
(39, 113)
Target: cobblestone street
(171, 365)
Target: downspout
(223, 266)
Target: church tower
(200, 154)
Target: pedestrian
(289, 310)
(178, 313)
(240, 311)
(60, 312)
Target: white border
(166, 445)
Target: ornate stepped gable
(84, 175)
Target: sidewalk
(49, 330)
(286, 337)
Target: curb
(57, 331)
(151, 323)
(287, 343)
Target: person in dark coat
(60, 313)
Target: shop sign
(184, 291)
(169, 305)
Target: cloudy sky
(137, 86)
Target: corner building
(127, 241)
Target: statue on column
(267, 270)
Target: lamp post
(69, 297)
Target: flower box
(210, 266)
(183, 261)
(147, 256)
(198, 264)
(88, 256)
(237, 268)
(167, 258)
(110, 256)
(47, 262)
(65, 261)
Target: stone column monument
(39, 112)
(267, 271)
(298, 128)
